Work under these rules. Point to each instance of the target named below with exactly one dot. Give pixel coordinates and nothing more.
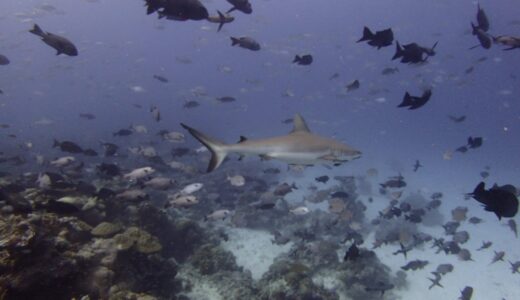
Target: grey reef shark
(299, 147)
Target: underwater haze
(104, 189)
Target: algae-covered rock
(106, 229)
(210, 259)
(143, 241)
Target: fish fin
(242, 139)
(296, 59)
(222, 19)
(217, 148)
(37, 30)
(299, 124)
(511, 48)
(367, 35)
(407, 100)
(398, 50)
(58, 52)
(220, 25)
(234, 41)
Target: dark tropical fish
(265, 206)
(435, 281)
(485, 245)
(156, 113)
(499, 256)
(110, 170)
(246, 43)
(123, 132)
(334, 76)
(303, 60)
(284, 189)
(380, 39)
(110, 149)
(414, 102)
(67, 146)
(354, 85)
(61, 44)
(483, 38)
(417, 165)
(226, 99)
(465, 255)
(482, 19)
(379, 286)
(512, 225)
(394, 182)
(221, 19)
(90, 152)
(415, 265)
(322, 179)
(240, 5)
(87, 116)
(462, 149)
(466, 293)
(457, 119)
(191, 104)
(507, 40)
(469, 70)
(161, 78)
(443, 269)
(413, 53)
(498, 200)
(515, 267)
(475, 142)
(388, 71)
(4, 60)
(475, 220)
(352, 253)
(179, 10)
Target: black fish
(379, 286)
(240, 5)
(191, 104)
(90, 152)
(4, 60)
(413, 53)
(512, 225)
(123, 132)
(380, 39)
(354, 85)
(485, 245)
(414, 102)
(246, 43)
(226, 99)
(482, 20)
(483, 38)
(497, 200)
(269, 205)
(462, 149)
(352, 253)
(111, 170)
(417, 165)
(87, 116)
(457, 119)
(110, 149)
(415, 265)
(435, 281)
(475, 142)
(61, 44)
(179, 10)
(303, 60)
(161, 78)
(322, 179)
(394, 182)
(475, 220)
(466, 293)
(67, 146)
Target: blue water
(120, 47)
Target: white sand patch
(253, 249)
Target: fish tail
(296, 59)
(407, 100)
(55, 144)
(234, 41)
(367, 35)
(218, 149)
(398, 50)
(37, 30)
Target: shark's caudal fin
(217, 148)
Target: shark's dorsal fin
(299, 124)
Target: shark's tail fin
(398, 50)
(407, 100)
(217, 148)
(367, 35)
